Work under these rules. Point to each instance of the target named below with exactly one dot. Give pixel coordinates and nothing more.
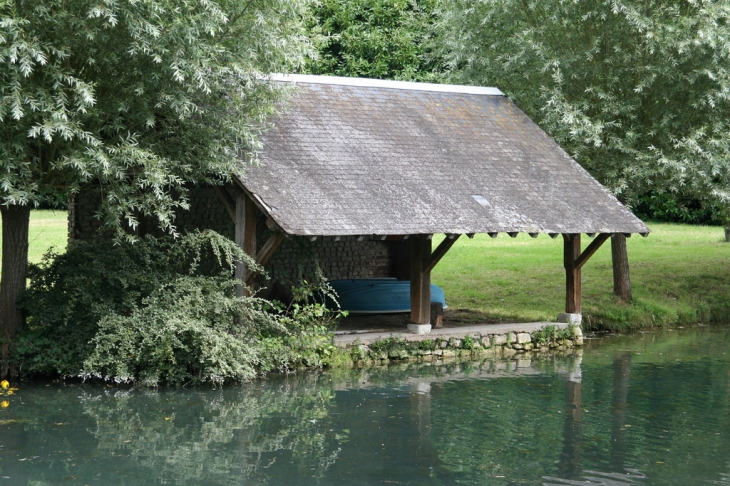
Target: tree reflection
(181, 437)
(621, 369)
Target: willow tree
(142, 98)
(636, 90)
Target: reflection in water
(148, 437)
(570, 458)
(639, 411)
(619, 400)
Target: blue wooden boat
(379, 295)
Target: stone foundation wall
(425, 348)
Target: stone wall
(206, 212)
(82, 222)
(501, 345)
(338, 258)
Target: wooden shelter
(354, 156)
(371, 159)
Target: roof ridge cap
(381, 83)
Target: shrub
(162, 310)
(544, 336)
(192, 329)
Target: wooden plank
(591, 249)
(440, 251)
(420, 280)
(573, 291)
(227, 201)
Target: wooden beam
(440, 251)
(573, 291)
(227, 201)
(244, 235)
(266, 251)
(250, 233)
(591, 249)
(262, 257)
(420, 280)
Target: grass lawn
(47, 229)
(680, 275)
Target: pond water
(648, 409)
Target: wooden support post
(571, 253)
(420, 280)
(245, 236)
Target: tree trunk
(620, 257)
(15, 222)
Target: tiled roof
(359, 157)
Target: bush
(162, 310)
(676, 208)
(192, 329)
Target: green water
(651, 409)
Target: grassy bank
(680, 275)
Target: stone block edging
(502, 340)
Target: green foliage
(191, 329)
(429, 344)
(636, 91)
(673, 208)
(548, 334)
(141, 98)
(393, 348)
(375, 39)
(544, 336)
(306, 342)
(162, 310)
(468, 343)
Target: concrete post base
(574, 319)
(419, 328)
